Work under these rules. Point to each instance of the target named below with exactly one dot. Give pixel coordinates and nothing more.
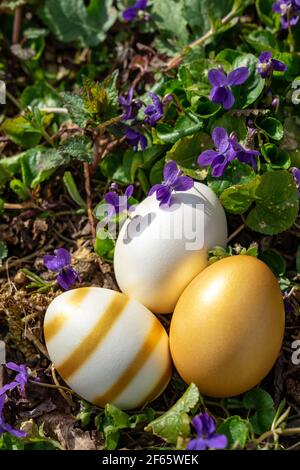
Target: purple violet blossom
(206, 438)
(296, 175)
(266, 65)
(117, 204)
(174, 180)
(61, 263)
(20, 379)
(228, 149)
(133, 11)
(5, 427)
(288, 9)
(221, 82)
(154, 112)
(130, 105)
(136, 139)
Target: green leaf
(277, 157)
(261, 402)
(9, 167)
(277, 203)
(40, 94)
(18, 187)
(237, 199)
(20, 131)
(262, 40)
(248, 93)
(101, 99)
(185, 152)
(201, 15)
(75, 106)
(271, 126)
(265, 11)
(115, 420)
(131, 162)
(156, 173)
(175, 422)
(236, 173)
(104, 244)
(274, 260)
(232, 124)
(3, 250)
(38, 164)
(236, 430)
(73, 190)
(78, 147)
(186, 124)
(173, 26)
(71, 20)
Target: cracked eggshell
(108, 348)
(227, 328)
(160, 250)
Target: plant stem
(236, 232)
(198, 42)
(278, 431)
(89, 203)
(13, 100)
(17, 25)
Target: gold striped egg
(107, 348)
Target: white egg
(108, 348)
(159, 251)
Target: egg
(227, 328)
(160, 250)
(107, 348)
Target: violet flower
(61, 263)
(221, 82)
(20, 379)
(117, 204)
(288, 9)
(130, 105)
(227, 149)
(266, 65)
(5, 427)
(154, 112)
(206, 438)
(296, 174)
(134, 10)
(136, 139)
(174, 180)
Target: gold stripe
(91, 342)
(78, 295)
(52, 327)
(159, 387)
(132, 370)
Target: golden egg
(228, 325)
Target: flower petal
(183, 183)
(279, 66)
(197, 444)
(265, 56)
(219, 165)
(170, 172)
(164, 195)
(129, 191)
(66, 278)
(238, 76)
(217, 77)
(220, 138)
(217, 441)
(154, 188)
(223, 96)
(207, 157)
(64, 257)
(113, 199)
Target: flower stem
(198, 42)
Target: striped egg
(107, 348)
